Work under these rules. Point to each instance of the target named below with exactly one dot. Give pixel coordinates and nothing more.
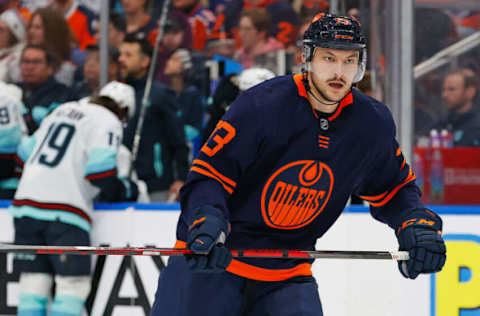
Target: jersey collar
(302, 91)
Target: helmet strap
(309, 90)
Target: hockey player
(276, 174)
(69, 160)
(12, 128)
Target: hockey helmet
(122, 93)
(252, 76)
(336, 32)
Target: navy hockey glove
(420, 235)
(207, 232)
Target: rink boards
(347, 287)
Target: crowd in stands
(50, 49)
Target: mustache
(337, 79)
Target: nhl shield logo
(296, 194)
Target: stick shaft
(257, 253)
(148, 85)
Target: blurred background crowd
(50, 50)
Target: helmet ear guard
(362, 66)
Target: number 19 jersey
(74, 144)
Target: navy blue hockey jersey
(282, 172)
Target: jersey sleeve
(225, 156)
(11, 124)
(103, 142)
(12, 128)
(390, 187)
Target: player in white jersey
(69, 161)
(12, 129)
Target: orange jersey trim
(302, 91)
(260, 274)
(404, 162)
(298, 78)
(214, 171)
(179, 244)
(410, 178)
(347, 100)
(373, 198)
(211, 175)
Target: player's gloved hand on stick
(420, 235)
(207, 232)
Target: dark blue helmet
(336, 32)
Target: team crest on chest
(296, 194)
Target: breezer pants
(183, 293)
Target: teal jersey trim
(49, 215)
(100, 160)
(26, 147)
(10, 138)
(64, 305)
(157, 160)
(33, 304)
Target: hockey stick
(270, 253)
(148, 86)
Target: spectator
(284, 20)
(80, 19)
(462, 119)
(189, 98)
(201, 20)
(177, 34)
(139, 22)
(222, 50)
(162, 160)
(117, 29)
(254, 31)
(49, 29)
(17, 5)
(90, 84)
(40, 89)
(12, 41)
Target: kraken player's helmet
(122, 93)
(252, 76)
(336, 32)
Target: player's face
(132, 62)
(35, 31)
(332, 72)
(453, 92)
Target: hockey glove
(207, 232)
(420, 235)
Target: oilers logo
(296, 194)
